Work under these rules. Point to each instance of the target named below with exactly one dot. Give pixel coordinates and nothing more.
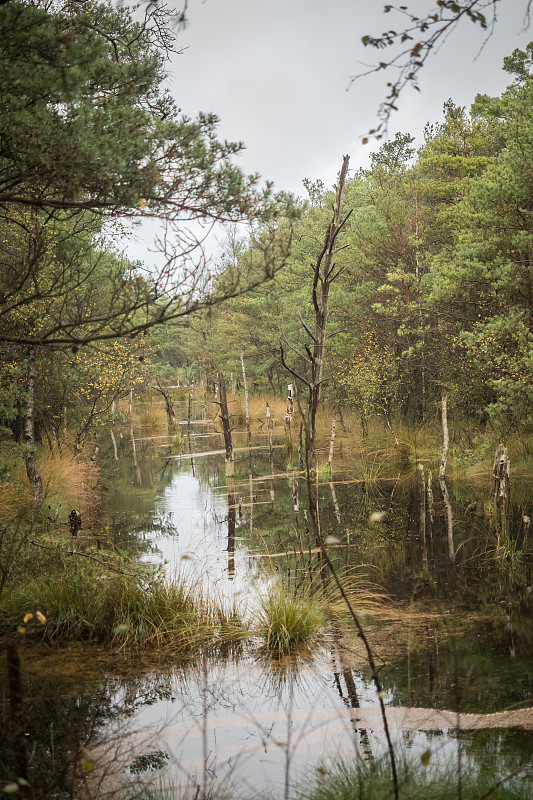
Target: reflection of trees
(62, 717)
(394, 547)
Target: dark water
(454, 632)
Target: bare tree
(325, 271)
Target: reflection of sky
(247, 726)
(243, 720)
(200, 545)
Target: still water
(452, 633)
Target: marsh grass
(166, 790)
(97, 596)
(476, 463)
(284, 618)
(364, 780)
(177, 442)
(69, 481)
(150, 417)
(257, 406)
(83, 600)
(361, 780)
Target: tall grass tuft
(85, 601)
(284, 618)
(360, 780)
(372, 781)
(68, 482)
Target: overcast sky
(277, 74)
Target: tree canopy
(89, 136)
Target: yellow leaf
(27, 618)
(40, 617)
(87, 764)
(21, 630)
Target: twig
(371, 662)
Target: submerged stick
(16, 707)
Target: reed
(363, 780)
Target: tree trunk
(29, 431)
(169, 405)
(271, 454)
(423, 540)
(324, 276)
(445, 436)
(331, 444)
(246, 405)
(189, 408)
(501, 474)
(226, 428)
(231, 530)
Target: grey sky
(277, 73)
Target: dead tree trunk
(271, 454)
(169, 405)
(325, 271)
(29, 430)
(423, 540)
(231, 530)
(501, 474)
(445, 436)
(226, 428)
(331, 444)
(189, 407)
(246, 404)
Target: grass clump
(373, 781)
(85, 600)
(69, 481)
(360, 780)
(284, 618)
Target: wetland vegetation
(265, 521)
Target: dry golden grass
(257, 406)
(69, 481)
(150, 417)
(16, 500)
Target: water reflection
(454, 638)
(247, 720)
(458, 636)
